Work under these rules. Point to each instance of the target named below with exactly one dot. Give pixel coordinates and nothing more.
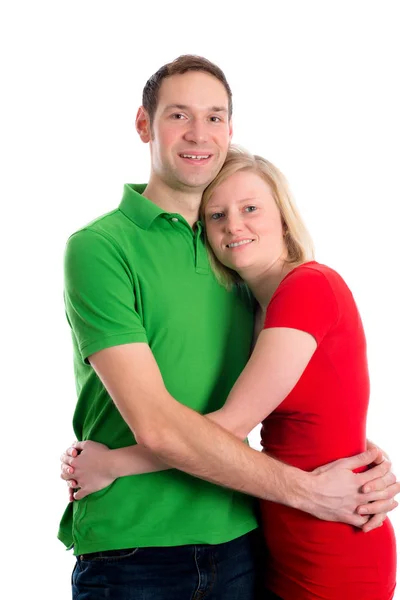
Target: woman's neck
(264, 282)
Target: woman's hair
(297, 239)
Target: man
(156, 342)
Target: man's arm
(166, 427)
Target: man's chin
(196, 183)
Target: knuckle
(370, 497)
(361, 521)
(391, 478)
(383, 469)
(375, 486)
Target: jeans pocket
(109, 556)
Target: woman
(306, 381)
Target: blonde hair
(297, 239)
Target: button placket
(202, 263)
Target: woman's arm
(279, 358)
(276, 364)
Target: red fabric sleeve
(304, 300)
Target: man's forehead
(194, 88)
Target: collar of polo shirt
(137, 208)
(140, 209)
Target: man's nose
(197, 131)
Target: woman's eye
(216, 216)
(250, 208)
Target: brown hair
(179, 66)
(297, 239)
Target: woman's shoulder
(316, 279)
(315, 271)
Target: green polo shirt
(139, 274)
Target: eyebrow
(242, 201)
(186, 107)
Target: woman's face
(244, 225)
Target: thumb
(80, 494)
(363, 459)
(79, 445)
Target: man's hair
(297, 239)
(179, 66)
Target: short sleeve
(304, 300)
(99, 294)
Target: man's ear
(143, 125)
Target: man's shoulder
(96, 245)
(109, 228)
(105, 223)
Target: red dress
(321, 420)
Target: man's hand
(85, 466)
(387, 486)
(337, 491)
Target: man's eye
(178, 116)
(215, 119)
(250, 208)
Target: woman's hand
(87, 466)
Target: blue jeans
(204, 572)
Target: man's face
(191, 131)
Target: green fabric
(139, 274)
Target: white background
(315, 87)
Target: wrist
(304, 490)
(111, 464)
(296, 488)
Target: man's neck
(183, 202)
